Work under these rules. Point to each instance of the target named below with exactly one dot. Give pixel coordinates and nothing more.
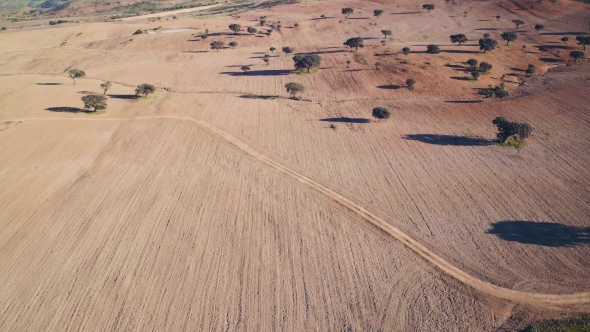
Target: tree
(378, 65)
(322, 16)
(106, 86)
(235, 28)
(97, 102)
(531, 70)
(472, 63)
(475, 74)
(486, 35)
(381, 113)
(539, 27)
(262, 23)
(354, 43)
(386, 33)
(565, 39)
(406, 50)
(76, 73)
(544, 49)
(458, 38)
(576, 55)
(144, 89)
(294, 88)
(287, 50)
(272, 49)
(347, 11)
(583, 40)
(266, 58)
(432, 49)
(518, 23)
(137, 32)
(428, 7)
(377, 12)
(296, 25)
(410, 82)
(307, 61)
(485, 67)
(498, 17)
(217, 45)
(233, 44)
(508, 37)
(498, 92)
(514, 130)
(487, 44)
(252, 30)
(245, 69)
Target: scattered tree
(518, 23)
(487, 44)
(410, 82)
(514, 130)
(508, 37)
(386, 33)
(539, 27)
(532, 69)
(432, 49)
(233, 44)
(296, 25)
(354, 43)
(475, 74)
(472, 63)
(583, 40)
(565, 39)
(137, 32)
(377, 12)
(272, 49)
(347, 11)
(428, 7)
(105, 86)
(144, 89)
(307, 61)
(322, 16)
(252, 30)
(235, 28)
(287, 50)
(577, 55)
(96, 102)
(76, 73)
(485, 67)
(262, 23)
(245, 69)
(458, 38)
(294, 88)
(381, 113)
(498, 17)
(498, 92)
(378, 65)
(217, 45)
(266, 58)
(406, 50)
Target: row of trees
(347, 11)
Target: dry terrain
(218, 203)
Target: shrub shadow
(346, 120)
(67, 109)
(390, 87)
(449, 140)
(464, 101)
(270, 72)
(460, 78)
(572, 33)
(551, 60)
(124, 96)
(405, 13)
(546, 234)
(460, 51)
(48, 83)
(260, 97)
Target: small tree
(432, 49)
(487, 44)
(565, 39)
(406, 50)
(386, 33)
(245, 69)
(266, 58)
(137, 32)
(518, 23)
(498, 17)
(252, 30)
(144, 89)
(76, 73)
(96, 102)
(472, 63)
(531, 70)
(458, 38)
(287, 50)
(262, 23)
(354, 43)
(378, 65)
(583, 40)
(294, 88)
(347, 11)
(233, 44)
(514, 130)
(105, 86)
(235, 28)
(498, 92)
(217, 45)
(428, 7)
(307, 61)
(410, 82)
(539, 27)
(377, 12)
(272, 49)
(322, 16)
(485, 67)
(577, 55)
(296, 25)
(475, 74)
(508, 37)
(381, 113)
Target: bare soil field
(218, 203)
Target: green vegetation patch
(578, 324)
(513, 142)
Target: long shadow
(464, 101)
(123, 96)
(48, 83)
(460, 51)
(389, 87)
(546, 234)
(277, 72)
(551, 60)
(67, 109)
(449, 140)
(320, 18)
(561, 47)
(460, 78)
(517, 69)
(384, 54)
(358, 18)
(571, 33)
(195, 51)
(260, 97)
(405, 13)
(346, 120)
(326, 52)
(487, 29)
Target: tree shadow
(405, 13)
(460, 78)
(48, 83)
(572, 33)
(321, 18)
(260, 97)
(464, 101)
(270, 72)
(517, 69)
(124, 96)
(390, 87)
(546, 234)
(561, 47)
(346, 120)
(67, 109)
(195, 51)
(551, 60)
(487, 29)
(358, 18)
(460, 51)
(449, 140)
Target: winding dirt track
(536, 299)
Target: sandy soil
(186, 191)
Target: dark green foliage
(347, 11)
(245, 69)
(428, 7)
(475, 74)
(76, 73)
(294, 88)
(217, 45)
(252, 30)
(472, 63)
(233, 44)
(288, 50)
(235, 28)
(410, 82)
(485, 67)
(386, 33)
(96, 102)
(458, 38)
(509, 36)
(514, 130)
(539, 27)
(144, 89)
(105, 86)
(544, 49)
(565, 39)
(497, 92)
(576, 55)
(272, 49)
(381, 113)
(354, 43)
(583, 40)
(518, 23)
(138, 32)
(432, 49)
(531, 70)
(307, 61)
(406, 50)
(377, 12)
(577, 324)
(296, 25)
(487, 44)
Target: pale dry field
(140, 218)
